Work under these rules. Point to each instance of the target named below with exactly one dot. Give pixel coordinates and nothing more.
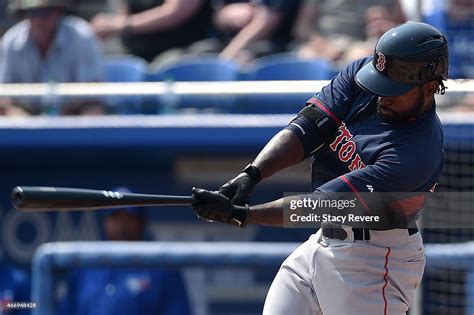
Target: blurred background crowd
(170, 40)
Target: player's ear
(430, 88)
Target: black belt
(361, 234)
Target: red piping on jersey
(324, 109)
(385, 276)
(345, 180)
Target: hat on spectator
(23, 5)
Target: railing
(181, 88)
(52, 257)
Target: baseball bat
(66, 199)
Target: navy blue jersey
(368, 154)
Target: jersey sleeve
(393, 182)
(337, 98)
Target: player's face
(123, 226)
(403, 107)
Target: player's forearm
(268, 214)
(282, 151)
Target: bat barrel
(17, 197)
(59, 198)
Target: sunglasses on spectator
(38, 12)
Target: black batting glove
(213, 206)
(239, 189)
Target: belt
(361, 234)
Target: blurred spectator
(87, 9)
(328, 28)
(377, 22)
(455, 18)
(463, 103)
(151, 27)
(3, 15)
(6, 19)
(85, 108)
(48, 46)
(14, 287)
(103, 291)
(411, 9)
(248, 29)
(7, 108)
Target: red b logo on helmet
(380, 62)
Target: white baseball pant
(342, 277)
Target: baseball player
(373, 128)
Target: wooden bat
(67, 199)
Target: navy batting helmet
(405, 56)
